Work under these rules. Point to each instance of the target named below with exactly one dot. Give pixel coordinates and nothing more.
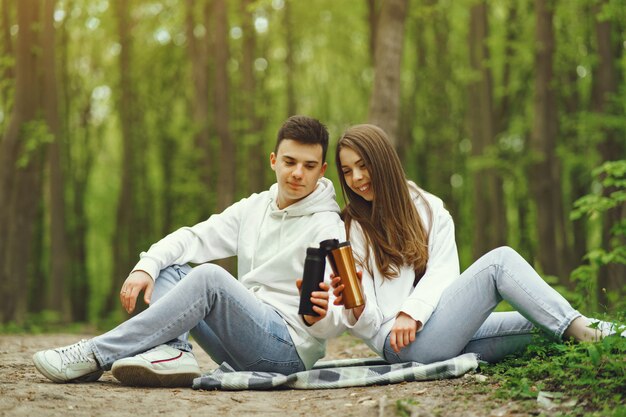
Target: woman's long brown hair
(392, 226)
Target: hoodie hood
(320, 200)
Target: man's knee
(213, 275)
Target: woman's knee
(504, 252)
(504, 257)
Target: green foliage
(46, 321)
(611, 193)
(35, 135)
(611, 176)
(592, 373)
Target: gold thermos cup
(346, 269)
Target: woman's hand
(136, 282)
(338, 288)
(403, 331)
(319, 300)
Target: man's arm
(136, 282)
(215, 238)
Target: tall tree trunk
(606, 84)
(384, 107)
(573, 104)
(226, 177)
(199, 57)
(489, 212)
(289, 64)
(441, 166)
(78, 153)
(512, 103)
(6, 51)
(544, 171)
(256, 154)
(21, 168)
(373, 16)
(83, 163)
(37, 273)
(58, 242)
(409, 109)
(125, 238)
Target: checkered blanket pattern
(337, 374)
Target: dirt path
(24, 392)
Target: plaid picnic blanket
(337, 374)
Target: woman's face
(356, 174)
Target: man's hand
(319, 300)
(136, 282)
(403, 331)
(338, 288)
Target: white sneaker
(73, 363)
(607, 328)
(162, 366)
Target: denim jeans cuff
(566, 323)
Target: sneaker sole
(91, 377)
(139, 376)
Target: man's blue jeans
(230, 323)
(463, 320)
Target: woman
(418, 308)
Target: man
(253, 322)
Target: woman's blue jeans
(463, 320)
(230, 323)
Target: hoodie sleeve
(340, 319)
(441, 270)
(214, 238)
(332, 325)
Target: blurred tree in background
(122, 120)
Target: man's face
(298, 166)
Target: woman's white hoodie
(385, 297)
(270, 245)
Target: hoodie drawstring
(282, 224)
(258, 236)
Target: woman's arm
(441, 270)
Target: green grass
(594, 374)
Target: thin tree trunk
(36, 274)
(289, 64)
(421, 158)
(7, 49)
(409, 109)
(126, 234)
(78, 154)
(543, 173)
(503, 110)
(579, 169)
(606, 84)
(489, 212)
(20, 169)
(441, 160)
(256, 155)
(373, 16)
(384, 107)
(512, 103)
(82, 170)
(226, 177)
(198, 55)
(58, 240)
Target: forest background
(122, 120)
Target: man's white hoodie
(270, 245)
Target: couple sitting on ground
(418, 307)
